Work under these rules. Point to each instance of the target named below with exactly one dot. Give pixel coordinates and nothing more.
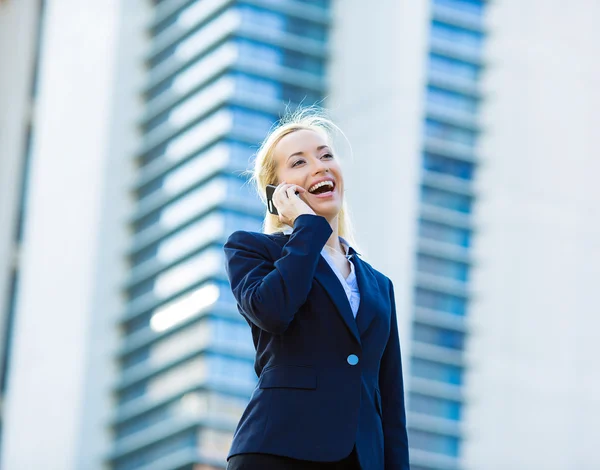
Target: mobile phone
(270, 190)
(270, 206)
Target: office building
(126, 128)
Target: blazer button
(352, 359)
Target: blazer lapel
(334, 289)
(368, 288)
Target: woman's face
(305, 158)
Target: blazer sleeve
(391, 385)
(269, 292)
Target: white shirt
(349, 284)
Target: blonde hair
(265, 167)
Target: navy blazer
(327, 381)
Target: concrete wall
(534, 378)
(18, 27)
(58, 404)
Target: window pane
(447, 199)
(453, 67)
(444, 131)
(248, 86)
(437, 371)
(463, 38)
(157, 451)
(445, 233)
(437, 443)
(473, 7)
(442, 267)
(439, 407)
(251, 122)
(440, 301)
(448, 166)
(438, 336)
(452, 100)
(231, 372)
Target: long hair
(265, 166)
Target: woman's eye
(327, 155)
(296, 162)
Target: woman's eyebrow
(320, 147)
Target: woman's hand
(288, 204)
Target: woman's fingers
(289, 203)
(292, 189)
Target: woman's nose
(320, 166)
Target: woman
(330, 391)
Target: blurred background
(125, 126)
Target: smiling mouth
(322, 187)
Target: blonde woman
(330, 393)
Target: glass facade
(217, 73)
(445, 232)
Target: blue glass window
(306, 29)
(446, 199)
(432, 442)
(252, 87)
(141, 289)
(241, 154)
(178, 442)
(259, 53)
(265, 19)
(235, 221)
(436, 371)
(270, 21)
(449, 166)
(139, 323)
(440, 301)
(248, 85)
(445, 233)
(449, 99)
(442, 267)
(319, 3)
(439, 407)
(136, 358)
(445, 131)
(438, 336)
(457, 36)
(131, 393)
(142, 422)
(247, 121)
(304, 63)
(472, 7)
(453, 67)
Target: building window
(157, 451)
(471, 41)
(440, 301)
(445, 233)
(248, 86)
(446, 199)
(433, 442)
(439, 372)
(444, 131)
(437, 336)
(438, 407)
(448, 166)
(451, 100)
(453, 68)
(471, 7)
(442, 267)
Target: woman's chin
(328, 214)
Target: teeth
(318, 185)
